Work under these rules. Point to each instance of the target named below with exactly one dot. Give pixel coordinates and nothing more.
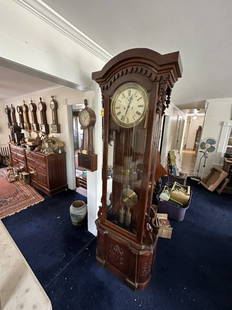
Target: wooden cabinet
(17, 157)
(48, 172)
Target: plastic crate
(174, 211)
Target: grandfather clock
(136, 87)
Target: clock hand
(129, 104)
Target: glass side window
(125, 170)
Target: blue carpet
(45, 236)
(193, 270)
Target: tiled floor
(188, 162)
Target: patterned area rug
(15, 196)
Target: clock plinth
(136, 87)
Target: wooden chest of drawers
(48, 172)
(17, 157)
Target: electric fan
(207, 146)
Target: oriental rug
(15, 196)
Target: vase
(78, 211)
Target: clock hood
(150, 57)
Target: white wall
(217, 112)
(35, 40)
(32, 42)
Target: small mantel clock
(136, 87)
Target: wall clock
(136, 87)
(27, 124)
(44, 128)
(86, 157)
(55, 126)
(8, 114)
(13, 115)
(34, 120)
(19, 109)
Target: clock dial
(84, 118)
(129, 105)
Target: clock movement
(136, 87)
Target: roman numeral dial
(129, 105)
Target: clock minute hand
(129, 104)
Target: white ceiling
(13, 83)
(200, 30)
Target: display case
(136, 87)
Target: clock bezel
(92, 117)
(115, 96)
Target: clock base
(128, 260)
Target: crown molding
(51, 17)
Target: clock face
(129, 105)
(84, 118)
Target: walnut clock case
(136, 87)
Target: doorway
(192, 138)
(80, 173)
